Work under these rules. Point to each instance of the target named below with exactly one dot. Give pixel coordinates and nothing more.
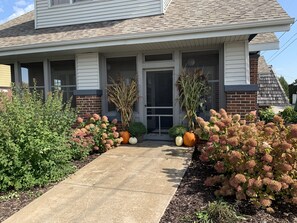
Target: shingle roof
(181, 14)
(264, 38)
(270, 91)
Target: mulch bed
(192, 196)
(17, 200)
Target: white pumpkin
(179, 141)
(133, 140)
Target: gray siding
(93, 11)
(236, 63)
(87, 71)
(166, 4)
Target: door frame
(164, 136)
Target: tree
(284, 84)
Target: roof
(181, 15)
(264, 38)
(270, 91)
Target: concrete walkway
(124, 185)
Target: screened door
(159, 101)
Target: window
(32, 75)
(124, 67)
(209, 62)
(158, 57)
(59, 2)
(63, 78)
(65, 2)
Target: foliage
(33, 139)
(289, 115)
(123, 95)
(266, 115)
(95, 134)
(193, 88)
(254, 161)
(218, 212)
(177, 130)
(137, 129)
(284, 84)
(295, 108)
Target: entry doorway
(159, 103)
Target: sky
(284, 60)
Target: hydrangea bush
(253, 160)
(96, 134)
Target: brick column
(88, 101)
(242, 99)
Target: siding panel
(5, 78)
(93, 11)
(236, 63)
(87, 71)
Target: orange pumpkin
(189, 139)
(125, 135)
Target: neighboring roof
(264, 41)
(181, 15)
(270, 91)
(264, 38)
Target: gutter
(152, 37)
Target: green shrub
(289, 115)
(95, 134)
(266, 115)
(137, 129)
(295, 107)
(34, 138)
(254, 161)
(218, 212)
(177, 130)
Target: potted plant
(123, 95)
(177, 132)
(137, 129)
(193, 88)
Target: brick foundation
(243, 99)
(88, 101)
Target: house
(270, 91)
(293, 92)
(76, 45)
(5, 77)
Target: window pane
(32, 74)
(63, 78)
(124, 67)
(80, 0)
(60, 2)
(158, 57)
(209, 62)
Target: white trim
(162, 6)
(175, 35)
(247, 62)
(264, 46)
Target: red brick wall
(254, 68)
(88, 104)
(242, 102)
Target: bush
(137, 129)
(95, 134)
(254, 161)
(289, 115)
(177, 130)
(266, 115)
(34, 139)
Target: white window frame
(71, 2)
